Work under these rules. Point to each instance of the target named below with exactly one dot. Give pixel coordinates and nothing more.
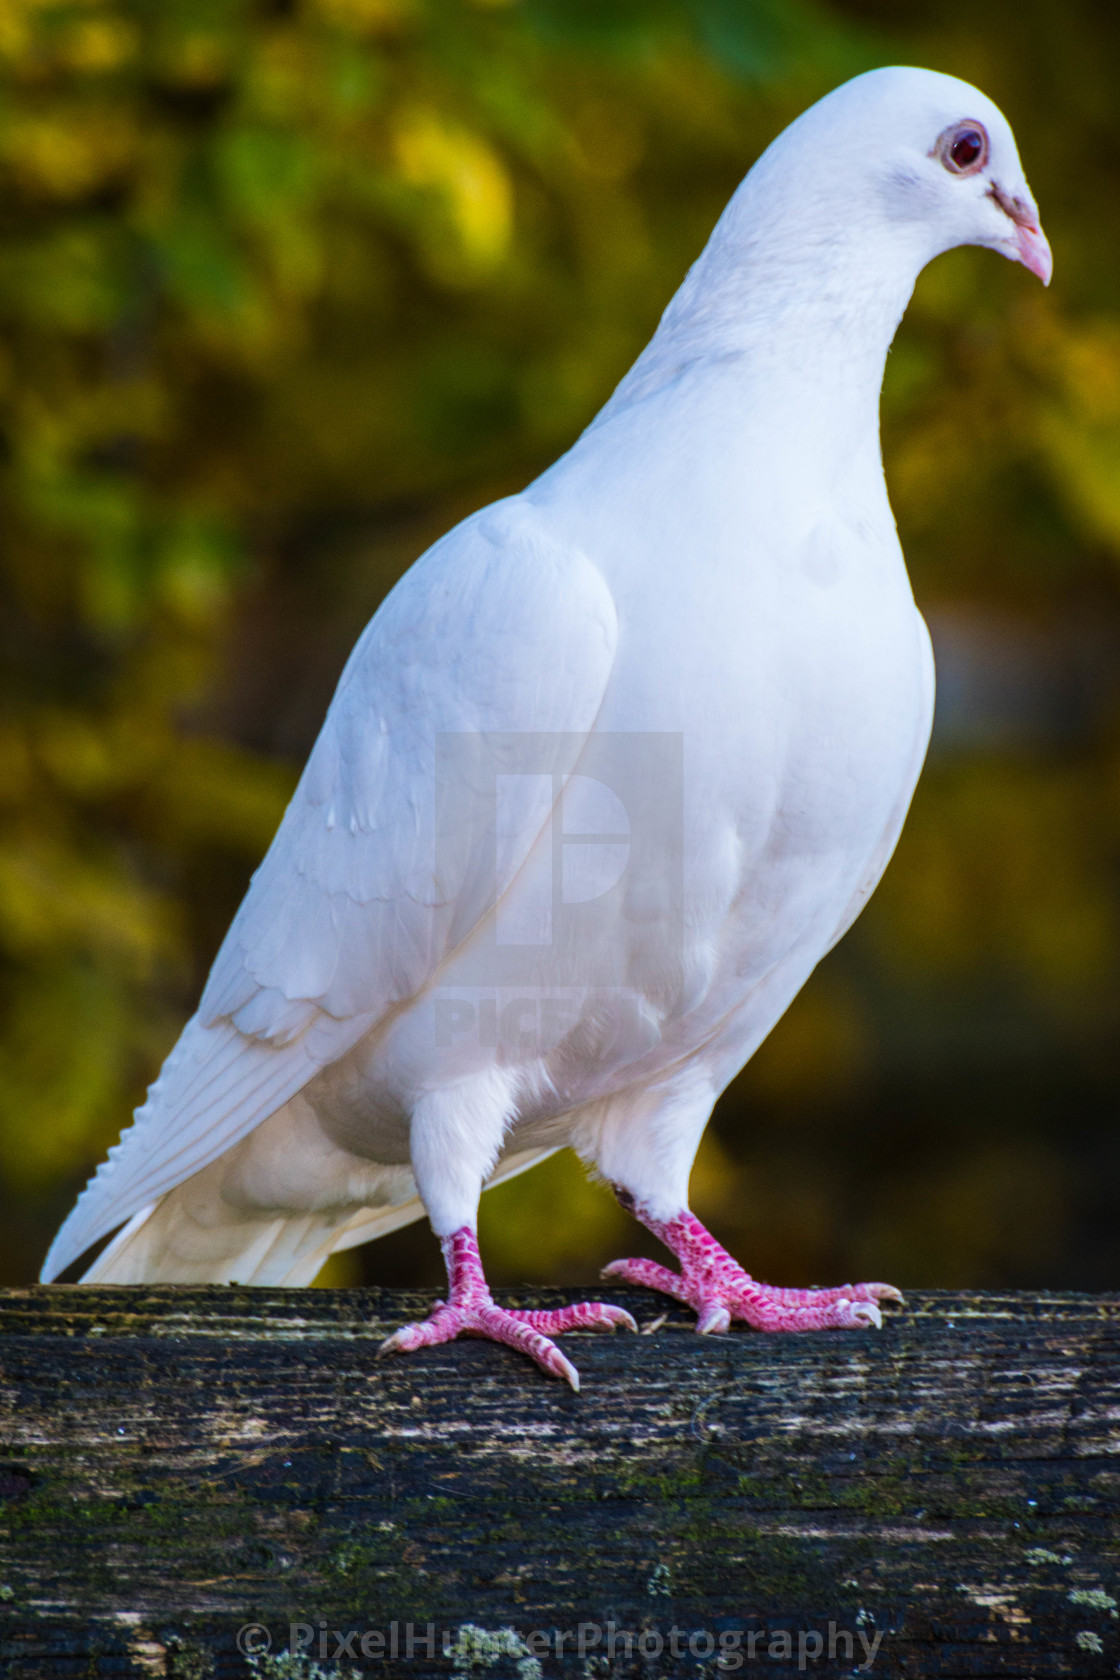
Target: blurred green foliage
(285, 289)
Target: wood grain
(176, 1463)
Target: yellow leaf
(435, 153)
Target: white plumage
(705, 595)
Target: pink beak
(1034, 249)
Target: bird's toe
(581, 1315)
(518, 1330)
(646, 1274)
(443, 1325)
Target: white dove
(615, 764)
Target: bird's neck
(795, 336)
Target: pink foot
(472, 1311)
(719, 1290)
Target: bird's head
(982, 209)
(921, 160)
(813, 260)
(954, 164)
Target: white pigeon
(615, 764)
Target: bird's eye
(966, 148)
(963, 149)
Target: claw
(714, 1320)
(397, 1343)
(864, 1292)
(866, 1312)
(555, 1363)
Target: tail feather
(213, 1090)
(192, 1235)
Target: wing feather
(387, 856)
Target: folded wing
(493, 653)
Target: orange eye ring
(963, 149)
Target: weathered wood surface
(177, 1463)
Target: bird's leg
(471, 1310)
(451, 1161)
(719, 1290)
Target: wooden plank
(176, 1463)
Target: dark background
(287, 289)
